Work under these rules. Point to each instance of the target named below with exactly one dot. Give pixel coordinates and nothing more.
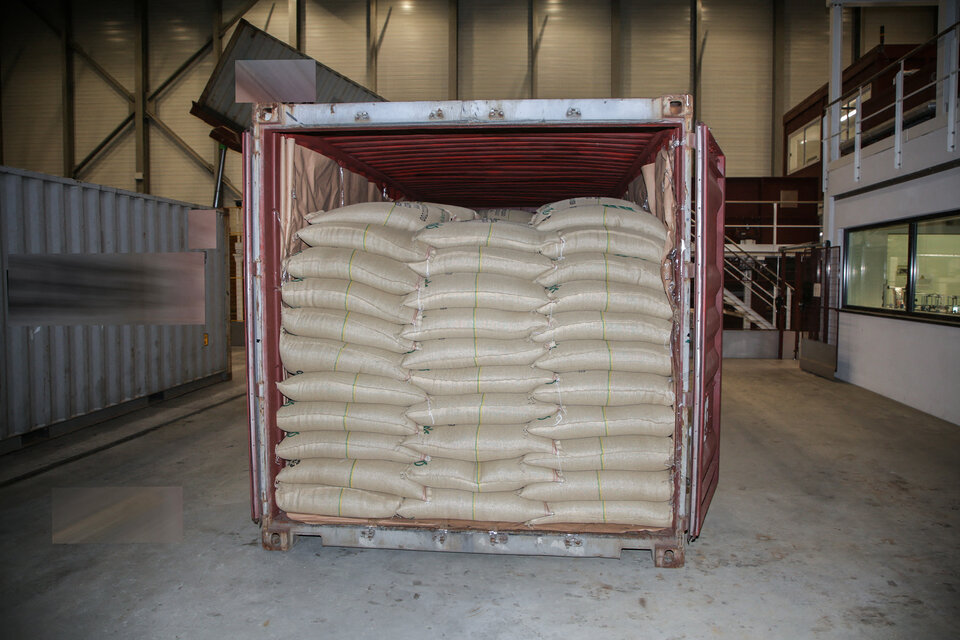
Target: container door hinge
(689, 270)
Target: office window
(905, 268)
(803, 146)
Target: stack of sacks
(609, 330)
(477, 305)
(345, 416)
(506, 215)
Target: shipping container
(489, 154)
(110, 300)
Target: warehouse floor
(837, 516)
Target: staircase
(759, 284)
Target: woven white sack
(609, 297)
(300, 355)
(583, 421)
(408, 216)
(550, 208)
(330, 386)
(382, 273)
(605, 267)
(654, 486)
(644, 514)
(371, 475)
(580, 355)
(465, 505)
(474, 323)
(327, 293)
(487, 233)
(597, 325)
(336, 501)
(607, 388)
(593, 239)
(472, 290)
(374, 238)
(480, 408)
(507, 262)
(356, 445)
(617, 453)
(496, 475)
(453, 353)
(490, 379)
(607, 216)
(345, 326)
(345, 416)
(478, 443)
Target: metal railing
(775, 207)
(760, 281)
(892, 118)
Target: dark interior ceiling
(493, 167)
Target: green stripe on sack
(340, 502)
(354, 466)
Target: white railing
(775, 207)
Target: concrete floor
(837, 516)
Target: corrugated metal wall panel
(31, 74)
(574, 55)
(104, 28)
(268, 15)
(54, 373)
(902, 25)
(736, 82)
(806, 50)
(413, 59)
(336, 35)
(493, 50)
(655, 48)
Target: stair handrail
(772, 278)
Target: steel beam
(188, 150)
(141, 67)
(296, 17)
(371, 45)
(68, 112)
(110, 137)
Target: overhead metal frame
(141, 102)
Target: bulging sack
(496, 475)
(345, 326)
(479, 408)
(547, 210)
(487, 233)
(613, 297)
(347, 295)
(336, 501)
(379, 272)
(495, 379)
(653, 486)
(617, 453)
(330, 386)
(478, 443)
(580, 355)
(345, 416)
(584, 421)
(374, 238)
(370, 475)
(618, 241)
(506, 262)
(354, 445)
(607, 388)
(608, 216)
(453, 353)
(465, 505)
(598, 325)
(643, 514)
(300, 355)
(406, 216)
(473, 290)
(474, 323)
(604, 267)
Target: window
(803, 146)
(910, 267)
(848, 113)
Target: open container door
(708, 327)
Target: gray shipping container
(109, 299)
